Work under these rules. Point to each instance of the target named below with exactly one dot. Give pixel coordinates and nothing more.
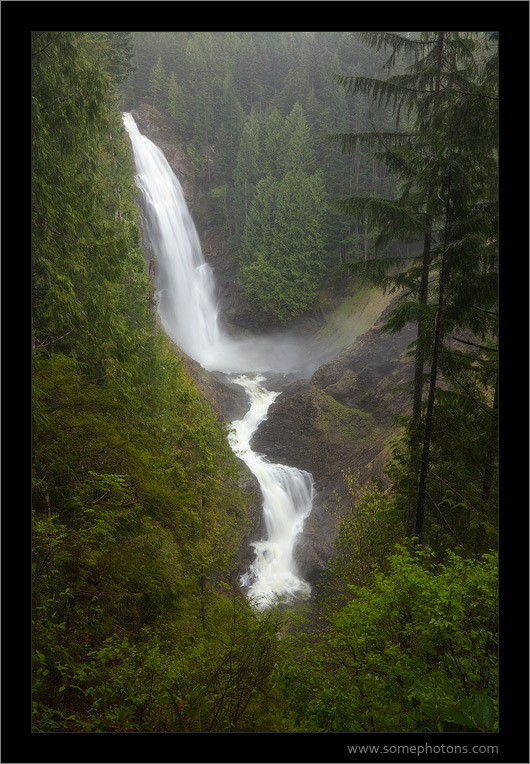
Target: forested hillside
(256, 110)
(324, 157)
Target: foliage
(446, 166)
(254, 105)
(367, 528)
(136, 510)
(413, 650)
(282, 246)
(215, 680)
(222, 682)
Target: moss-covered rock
(342, 418)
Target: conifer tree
(145, 57)
(282, 248)
(247, 171)
(158, 83)
(178, 103)
(443, 72)
(203, 78)
(298, 152)
(273, 143)
(120, 53)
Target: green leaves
(87, 266)
(477, 714)
(279, 213)
(136, 507)
(446, 168)
(416, 630)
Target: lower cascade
(287, 500)
(188, 312)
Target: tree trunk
(424, 463)
(419, 361)
(492, 447)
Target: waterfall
(188, 310)
(287, 499)
(187, 304)
(186, 294)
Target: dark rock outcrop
(340, 419)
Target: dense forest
(325, 157)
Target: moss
(339, 423)
(346, 383)
(349, 317)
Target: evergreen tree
(426, 161)
(229, 135)
(178, 104)
(282, 249)
(145, 58)
(232, 121)
(158, 85)
(120, 52)
(273, 143)
(203, 78)
(298, 153)
(247, 171)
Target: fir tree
(158, 85)
(431, 90)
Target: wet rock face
(325, 423)
(340, 419)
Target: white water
(187, 307)
(287, 498)
(187, 303)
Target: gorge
(334, 384)
(264, 392)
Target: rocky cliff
(342, 418)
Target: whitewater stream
(188, 310)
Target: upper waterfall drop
(186, 294)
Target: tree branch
(474, 400)
(46, 46)
(473, 344)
